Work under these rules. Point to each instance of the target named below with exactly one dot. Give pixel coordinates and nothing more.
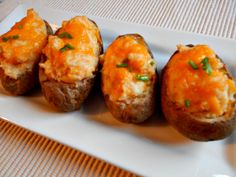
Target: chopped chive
(206, 66)
(122, 65)
(187, 103)
(67, 47)
(15, 37)
(152, 63)
(63, 49)
(20, 26)
(143, 78)
(65, 35)
(193, 65)
(5, 39)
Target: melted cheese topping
(22, 45)
(121, 83)
(77, 63)
(207, 93)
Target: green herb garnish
(187, 103)
(122, 65)
(206, 66)
(15, 37)
(143, 78)
(65, 35)
(67, 47)
(152, 63)
(5, 39)
(193, 65)
(20, 26)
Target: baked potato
(198, 95)
(20, 51)
(129, 79)
(70, 63)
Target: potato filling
(72, 54)
(23, 44)
(128, 69)
(198, 81)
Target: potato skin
(67, 97)
(25, 82)
(192, 126)
(139, 109)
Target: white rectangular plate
(149, 149)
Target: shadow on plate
(37, 100)
(155, 128)
(34, 98)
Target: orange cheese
(30, 37)
(21, 47)
(121, 83)
(206, 92)
(81, 60)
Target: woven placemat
(211, 17)
(23, 153)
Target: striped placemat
(211, 17)
(23, 153)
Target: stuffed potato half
(70, 62)
(198, 94)
(129, 79)
(20, 51)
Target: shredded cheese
(24, 44)
(208, 92)
(122, 83)
(74, 56)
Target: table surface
(23, 153)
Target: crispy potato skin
(67, 97)
(25, 82)
(140, 108)
(137, 111)
(192, 126)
